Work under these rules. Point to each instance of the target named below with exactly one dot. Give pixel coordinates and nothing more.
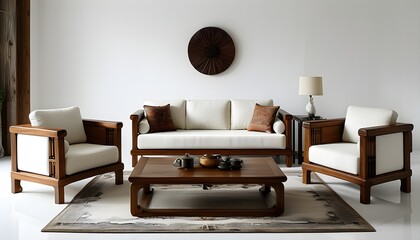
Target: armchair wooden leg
(16, 187)
(59, 194)
(119, 177)
(306, 177)
(406, 185)
(365, 194)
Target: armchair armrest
(38, 131)
(103, 132)
(370, 145)
(56, 146)
(387, 129)
(323, 131)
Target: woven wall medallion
(211, 50)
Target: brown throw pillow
(263, 118)
(159, 118)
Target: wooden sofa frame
(97, 132)
(136, 153)
(330, 131)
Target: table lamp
(310, 86)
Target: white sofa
(211, 126)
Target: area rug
(103, 207)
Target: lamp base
(310, 108)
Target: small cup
(187, 162)
(236, 163)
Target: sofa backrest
(208, 114)
(177, 110)
(211, 114)
(242, 111)
(361, 117)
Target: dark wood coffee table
(159, 170)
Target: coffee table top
(159, 170)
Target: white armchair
(59, 148)
(367, 148)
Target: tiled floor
(394, 215)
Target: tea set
(209, 161)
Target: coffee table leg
(264, 189)
(134, 194)
(279, 189)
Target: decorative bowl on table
(210, 160)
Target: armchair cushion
(62, 118)
(340, 156)
(84, 156)
(360, 117)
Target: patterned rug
(103, 207)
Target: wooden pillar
(14, 65)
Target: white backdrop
(108, 56)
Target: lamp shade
(310, 86)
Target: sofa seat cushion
(340, 156)
(212, 139)
(86, 156)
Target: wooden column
(14, 64)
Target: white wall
(108, 56)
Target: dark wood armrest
(38, 131)
(323, 131)
(137, 115)
(387, 129)
(103, 132)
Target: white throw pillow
(144, 126)
(69, 119)
(278, 126)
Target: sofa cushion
(263, 118)
(177, 110)
(159, 118)
(69, 119)
(211, 139)
(208, 114)
(361, 117)
(340, 156)
(84, 156)
(242, 111)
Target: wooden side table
(298, 153)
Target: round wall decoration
(211, 50)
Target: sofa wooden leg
(289, 160)
(59, 194)
(406, 185)
(119, 177)
(306, 176)
(134, 160)
(365, 194)
(16, 187)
